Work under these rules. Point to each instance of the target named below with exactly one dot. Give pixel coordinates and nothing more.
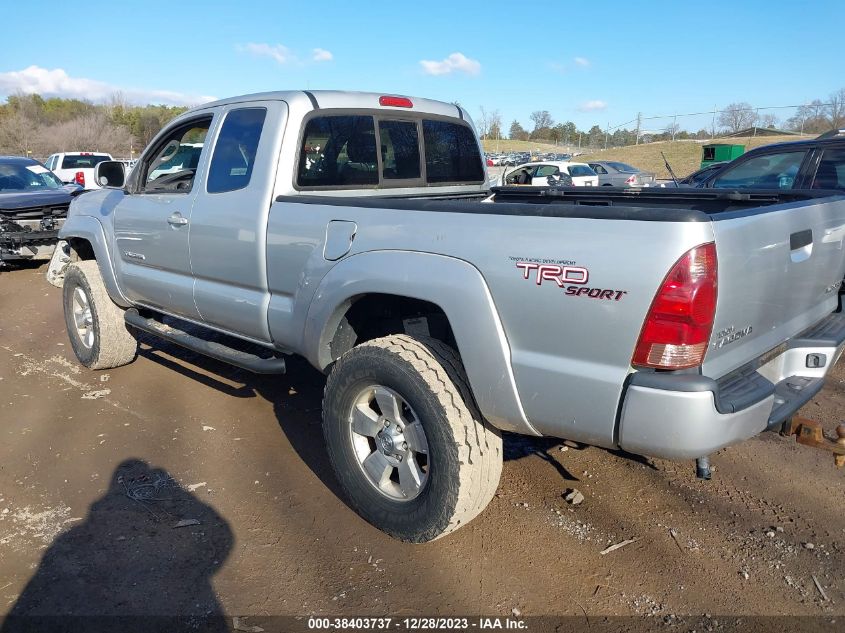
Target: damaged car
(33, 207)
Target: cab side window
(771, 171)
(831, 171)
(235, 150)
(175, 159)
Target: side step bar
(212, 349)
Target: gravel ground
(179, 486)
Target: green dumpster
(720, 152)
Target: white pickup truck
(77, 167)
(356, 230)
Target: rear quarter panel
(570, 354)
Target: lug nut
(387, 423)
(405, 446)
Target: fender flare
(454, 285)
(88, 228)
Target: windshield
(624, 167)
(20, 177)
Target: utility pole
(674, 127)
(606, 134)
(639, 125)
(713, 123)
(579, 141)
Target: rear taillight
(678, 326)
(79, 179)
(632, 180)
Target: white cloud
(595, 105)
(279, 53)
(321, 55)
(57, 83)
(583, 62)
(456, 62)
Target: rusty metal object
(811, 433)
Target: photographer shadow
(142, 560)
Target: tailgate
(780, 268)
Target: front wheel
(412, 453)
(95, 325)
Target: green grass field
(683, 156)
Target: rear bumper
(687, 416)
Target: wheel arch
(87, 239)
(442, 285)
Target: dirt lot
(97, 470)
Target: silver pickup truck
(356, 230)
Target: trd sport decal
(571, 279)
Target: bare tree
(542, 119)
(495, 123)
(672, 129)
(810, 118)
(483, 123)
(17, 134)
(767, 120)
(94, 132)
(737, 116)
(836, 109)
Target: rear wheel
(95, 326)
(411, 451)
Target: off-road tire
(113, 343)
(465, 452)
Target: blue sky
(585, 62)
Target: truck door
(153, 223)
(229, 222)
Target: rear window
(623, 167)
(82, 162)
(451, 153)
(400, 149)
(350, 150)
(580, 170)
(338, 151)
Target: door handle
(177, 220)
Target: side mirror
(110, 173)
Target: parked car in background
(616, 174)
(33, 206)
(77, 167)
(537, 174)
(814, 164)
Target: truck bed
(780, 266)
